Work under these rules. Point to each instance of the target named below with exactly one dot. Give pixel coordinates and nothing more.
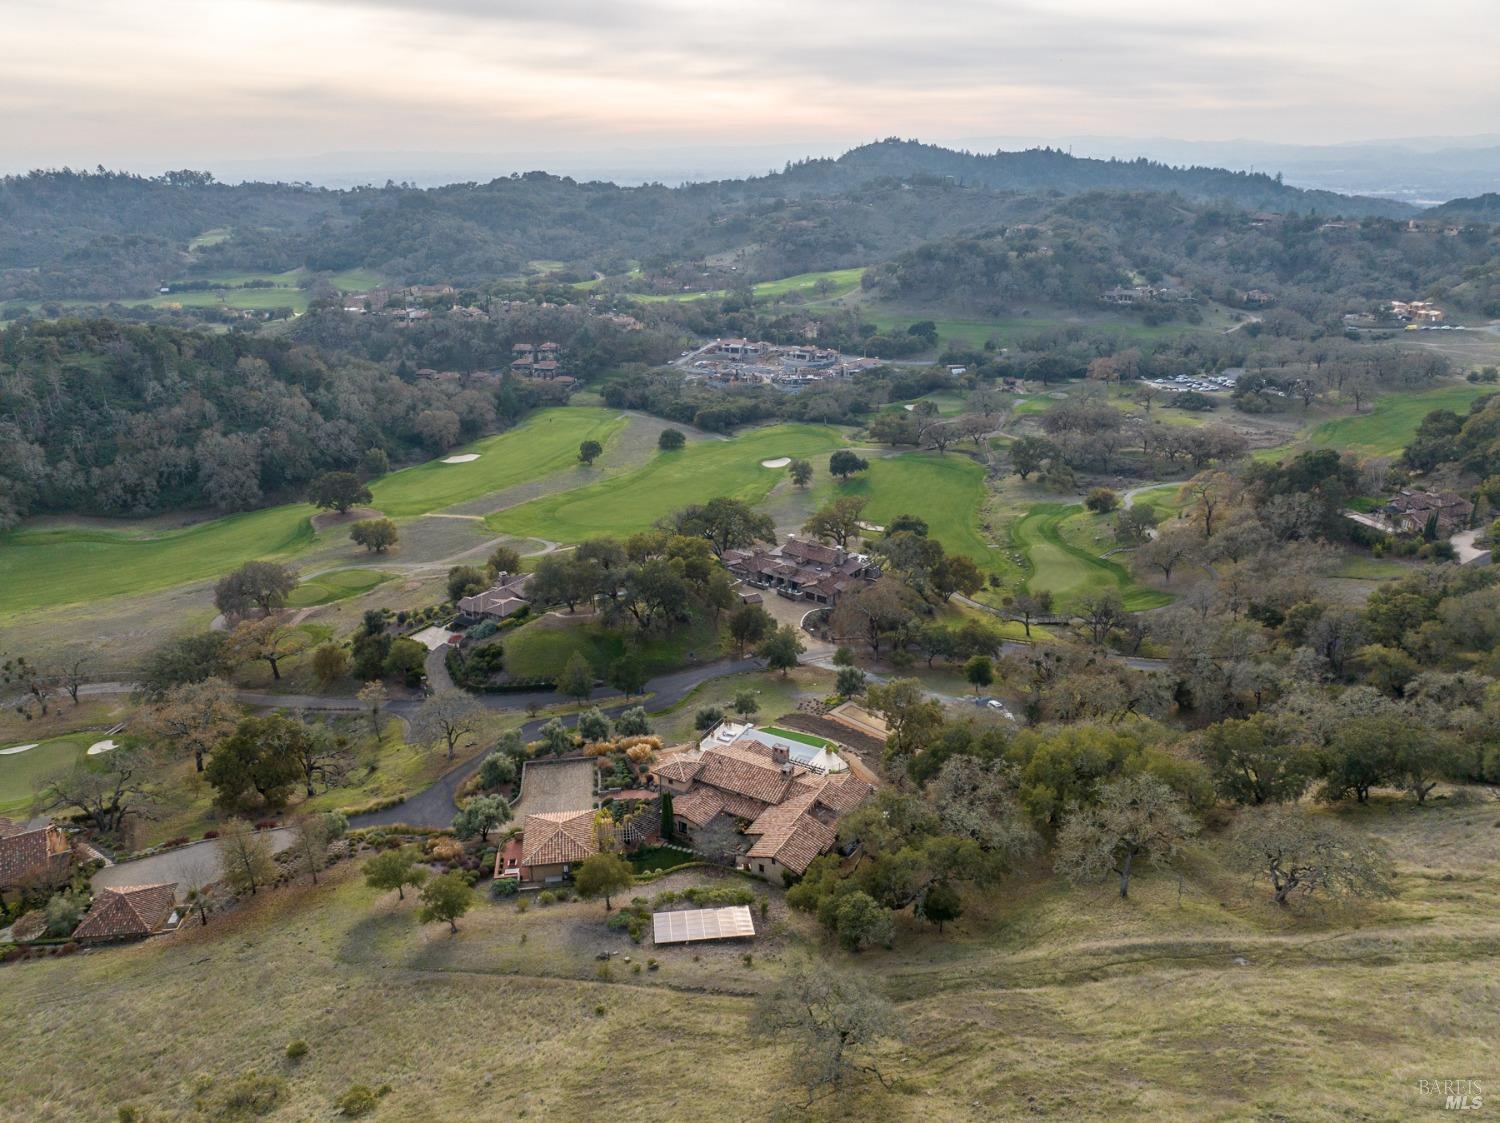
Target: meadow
(1194, 999)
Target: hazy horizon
(283, 81)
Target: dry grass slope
(1194, 1000)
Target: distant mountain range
(1418, 170)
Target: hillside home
(130, 912)
(505, 597)
(1411, 511)
(33, 856)
(787, 812)
(800, 569)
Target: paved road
(187, 865)
(434, 807)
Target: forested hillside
(112, 419)
(104, 235)
(1315, 270)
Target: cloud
(91, 79)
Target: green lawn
(621, 505)
(973, 332)
(355, 280)
(797, 735)
(72, 564)
(20, 773)
(651, 859)
(542, 648)
(1070, 571)
(40, 567)
(947, 491)
(1392, 421)
(209, 238)
(842, 282)
(336, 585)
(950, 403)
(544, 443)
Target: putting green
(340, 583)
(21, 773)
(1069, 571)
(41, 568)
(621, 505)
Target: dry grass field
(1194, 1000)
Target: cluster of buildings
(1417, 312)
(783, 794)
(1412, 510)
(1120, 295)
(769, 800)
(789, 367)
(536, 360)
(42, 857)
(802, 570)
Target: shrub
(358, 1100)
(504, 887)
(296, 1050)
(251, 1094)
(210, 834)
(546, 897)
(180, 840)
(266, 824)
(447, 849)
(64, 911)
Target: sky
(208, 83)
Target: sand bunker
(105, 746)
(461, 458)
(778, 462)
(14, 749)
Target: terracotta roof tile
(554, 837)
(790, 835)
(698, 806)
(25, 854)
(128, 910)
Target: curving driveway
(187, 865)
(435, 806)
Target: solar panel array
(702, 924)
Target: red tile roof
(554, 837)
(129, 910)
(28, 853)
(790, 835)
(698, 807)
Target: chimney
(782, 755)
